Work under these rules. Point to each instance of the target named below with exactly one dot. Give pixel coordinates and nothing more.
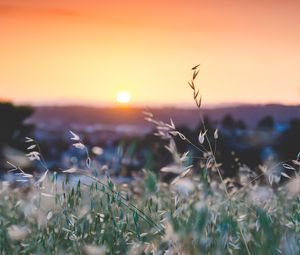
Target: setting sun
(123, 97)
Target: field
(192, 215)
(82, 211)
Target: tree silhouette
(13, 130)
(228, 122)
(267, 123)
(288, 143)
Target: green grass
(198, 212)
(148, 217)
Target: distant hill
(64, 116)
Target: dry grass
(198, 212)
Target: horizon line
(145, 106)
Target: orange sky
(86, 51)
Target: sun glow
(123, 97)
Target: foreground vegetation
(148, 217)
(82, 211)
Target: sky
(85, 52)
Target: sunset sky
(68, 51)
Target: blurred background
(93, 66)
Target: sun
(123, 97)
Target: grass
(187, 217)
(198, 212)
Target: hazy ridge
(66, 115)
